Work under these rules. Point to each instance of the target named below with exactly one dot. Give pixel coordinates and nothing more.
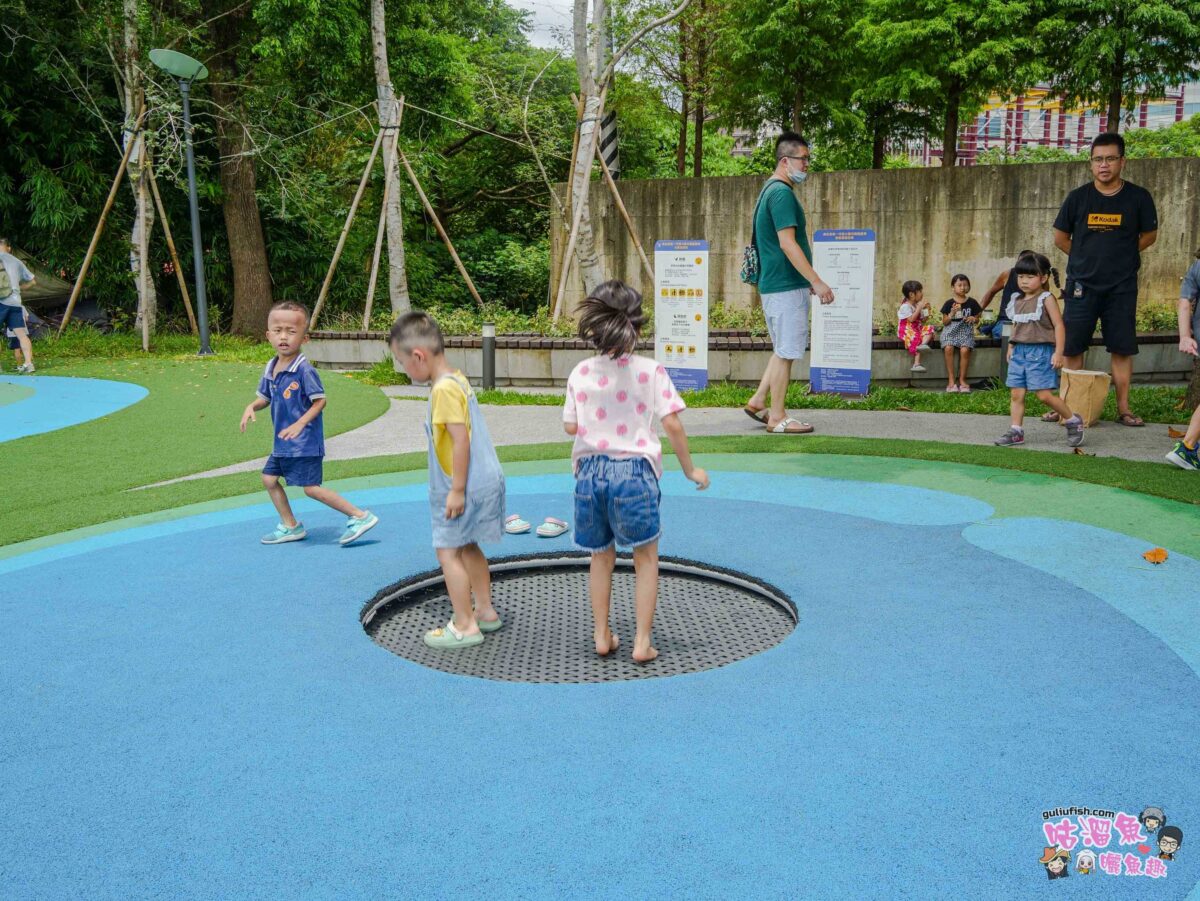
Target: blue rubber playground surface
(187, 714)
(44, 403)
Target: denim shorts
(1030, 367)
(299, 472)
(786, 313)
(616, 502)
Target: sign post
(681, 311)
(840, 361)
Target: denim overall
(483, 518)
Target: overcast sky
(549, 17)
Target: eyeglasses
(807, 158)
(1101, 160)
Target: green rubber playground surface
(10, 393)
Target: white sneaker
(26, 368)
(917, 367)
(922, 348)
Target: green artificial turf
(10, 393)
(1154, 403)
(187, 424)
(1153, 479)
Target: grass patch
(188, 423)
(82, 342)
(1154, 479)
(1154, 403)
(380, 374)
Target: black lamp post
(187, 70)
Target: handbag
(751, 268)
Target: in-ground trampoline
(980, 665)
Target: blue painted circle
(59, 402)
(190, 714)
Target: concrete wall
(930, 223)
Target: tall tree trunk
(798, 111)
(878, 138)
(1116, 93)
(589, 56)
(252, 290)
(701, 84)
(950, 135)
(389, 116)
(685, 102)
(139, 181)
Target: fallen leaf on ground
(1081, 452)
(905, 409)
(1174, 432)
(1157, 555)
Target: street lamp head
(179, 64)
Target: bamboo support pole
(437, 224)
(162, 217)
(379, 233)
(612, 186)
(108, 204)
(341, 243)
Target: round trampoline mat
(706, 618)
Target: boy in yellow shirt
(466, 483)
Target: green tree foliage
(946, 57)
(1107, 51)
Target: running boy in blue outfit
(292, 389)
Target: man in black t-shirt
(1103, 227)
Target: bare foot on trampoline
(607, 643)
(644, 654)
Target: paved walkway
(400, 430)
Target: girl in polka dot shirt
(613, 401)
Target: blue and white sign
(681, 311)
(840, 361)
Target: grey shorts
(787, 322)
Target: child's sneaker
(922, 347)
(356, 528)
(283, 534)
(1074, 431)
(1011, 438)
(917, 367)
(1185, 457)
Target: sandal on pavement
(514, 525)
(759, 415)
(1130, 419)
(952, 389)
(1050, 416)
(489, 625)
(785, 427)
(964, 389)
(450, 639)
(552, 528)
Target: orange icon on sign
(699, 317)
(691, 350)
(664, 292)
(699, 261)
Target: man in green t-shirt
(786, 279)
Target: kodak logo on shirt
(1103, 221)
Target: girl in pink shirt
(613, 401)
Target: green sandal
(489, 626)
(450, 639)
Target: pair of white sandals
(550, 527)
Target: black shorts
(1116, 311)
